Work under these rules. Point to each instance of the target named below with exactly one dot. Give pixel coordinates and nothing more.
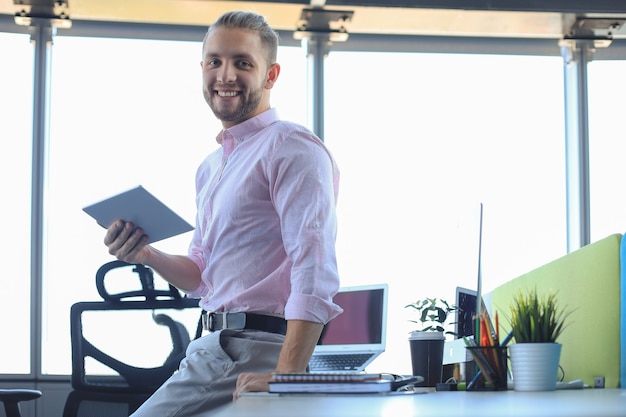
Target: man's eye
(244, 64)
(213, 62)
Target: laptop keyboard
(334, 362)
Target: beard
(248, 101)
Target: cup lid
(417, 335)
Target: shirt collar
(247, 128)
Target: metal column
(317, 49)
(41, 36)
(576, 56)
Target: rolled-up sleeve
(304, 182)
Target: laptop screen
(363, 320)
(466, 310)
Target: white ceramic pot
(535, 366)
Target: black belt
(243, 321)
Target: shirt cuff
(311, 308)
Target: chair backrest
(119, 375)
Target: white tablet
(142, 209)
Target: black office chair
(128, 378)
(120, 393)
(12, 398)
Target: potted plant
(536, 323)
(427, 341)
(432, 314)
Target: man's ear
(272, 75)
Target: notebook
(352, 340)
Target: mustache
(231, 86)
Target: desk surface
(571, 403)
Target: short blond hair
(250, 21)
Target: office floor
(59, 399)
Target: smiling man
(262, 257)
(238, 73)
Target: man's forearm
(178, 270)
(300, 341)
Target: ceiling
(490, 18)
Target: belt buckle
(235, 321)
(208, 320)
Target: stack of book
(329, 383)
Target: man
(264, 238)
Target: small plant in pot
(432, 314)
(427, 341)
(536, 323)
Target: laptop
(466, 310)
(356, 337)
(454, 350)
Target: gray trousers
(207, 376)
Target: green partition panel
(588, 283)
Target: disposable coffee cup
(427, 356)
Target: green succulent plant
(432, 314)
(537, 319)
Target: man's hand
(248, 382)
(300, 340)
(127, 243)
(130, 244)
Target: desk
(571, 403)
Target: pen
(507, 339)
(477, 328)
(469, 342)
(490, 340)
(482, 341)
(474, 380)
(485, 366)
(497, 329)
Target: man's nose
(227, 73)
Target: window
(607, 148)
(16, 81)
(421, 140)
(123, 113)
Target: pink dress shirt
(266, 222)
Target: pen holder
(492, 362)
